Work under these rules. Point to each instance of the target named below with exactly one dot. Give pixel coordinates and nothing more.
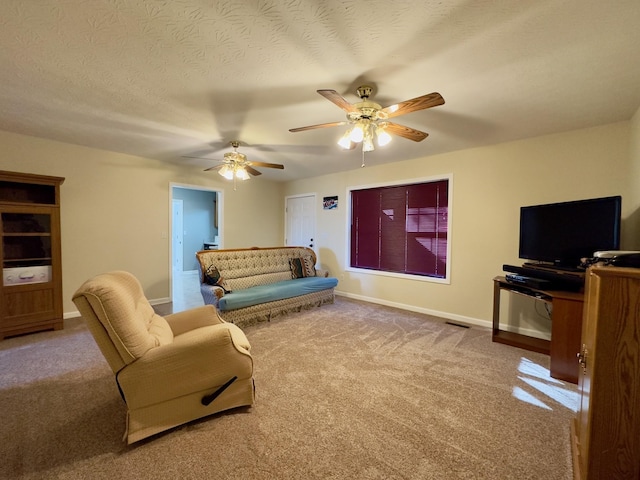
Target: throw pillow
(297, 268)
(213, 277)
(309, 267)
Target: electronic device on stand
(618, 258)
(548, 278)
(557, 238)
(559, 241)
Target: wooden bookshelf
(31, 289)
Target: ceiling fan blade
(321, 125)
(252, 170)
(419, 103)
(406, 132)
(216, 167)
(268, 165)
(337, 99)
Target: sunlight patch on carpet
(525, 396)
(561, 395)
(532, 369)
(543, 383)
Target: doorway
(196, 223)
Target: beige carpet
(345, 391)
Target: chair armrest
(196, 361)
(182, 322)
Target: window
(401, 228)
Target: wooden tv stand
(566, 327)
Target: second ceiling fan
(368, 120)
(236, 164)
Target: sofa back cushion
(249, 267)
(255, 280)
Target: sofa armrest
(322, 273)
(211, 294)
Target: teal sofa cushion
(274, 291)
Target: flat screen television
(563, 233)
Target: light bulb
(357, 134)
(345, 140)
(226, 172)
(242, 174)
(383, 137)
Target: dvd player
(530, 282)
(557, 279)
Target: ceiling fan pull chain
(362, 166)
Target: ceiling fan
(368, 120)
(236, 166)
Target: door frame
(176, 253)
(219, 213)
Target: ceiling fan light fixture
(345, 140)
(366, 114)
(367, 141)
(357, 133)
(242, 174)
(367, 145)
(382, 136)
(226, 172)
(235, 165)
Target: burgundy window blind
(401, 228)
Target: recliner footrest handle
(207, 399)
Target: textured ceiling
(163, 79)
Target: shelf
(27, 234)
(534, 295)
(566, 327)
(18, 192)
(532, 344)
(27, 259)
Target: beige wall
(489, 186)
(116, 212)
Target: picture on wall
(330, 203)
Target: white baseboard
(412, 308)
(449, 316)
(157, 301)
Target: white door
(177, 232)
(301, 221)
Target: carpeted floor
(345, 391)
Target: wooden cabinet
(31, 289)
(606, 430)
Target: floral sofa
(250, 285)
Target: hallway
(186, 291)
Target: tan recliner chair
(170, 370)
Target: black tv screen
(563, 233)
